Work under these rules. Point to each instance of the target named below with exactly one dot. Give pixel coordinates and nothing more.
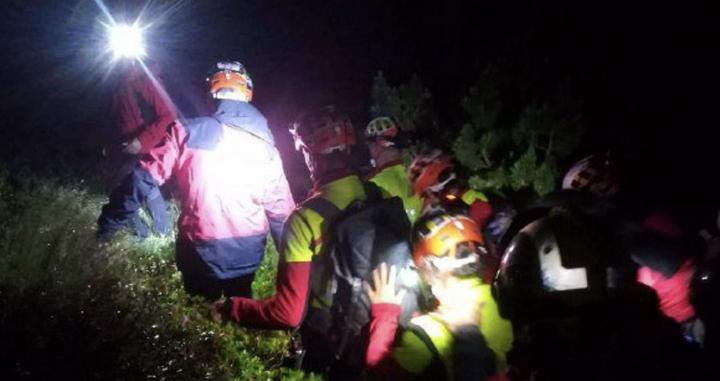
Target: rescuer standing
(143, 114)
(231, 187)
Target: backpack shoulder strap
(437, 367)
(326, 209)
(372, 191)
(424, 337)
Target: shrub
(75, 309)
(409, 104)
(509, 148)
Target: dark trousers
(154, 204)
(212, 288)
(199, 280)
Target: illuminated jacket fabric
(393, 181)
(673, 291)
(403, 353)
(141, 111)
(303, 239)
(230, 183)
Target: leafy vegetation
(81, 310)
(504, 146)
(408, 104)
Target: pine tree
(515, 154)
(408, 104)
(503, 149)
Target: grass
(72, 308)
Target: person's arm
(277, 200)
(480, 212)
(127, 113)
(286, 309)
(385, 313)
(150, 173)
(153, 131)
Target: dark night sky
(644, 71)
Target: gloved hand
(132, 147)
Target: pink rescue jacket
(142, 110)
(230, 182)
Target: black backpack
(359, 238)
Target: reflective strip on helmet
(439, 186)
(555, 277)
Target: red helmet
(431, 172)
(323, 132)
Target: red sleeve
(480, 212)
(154, 131)
(383, 326)
(379, 359)
(162, 159)
(285, 309)
(127, 113)
(673, 292)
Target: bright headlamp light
(126, 41)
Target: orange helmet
(438, 242)
(431, 172)
(323, 132)
(230, 80)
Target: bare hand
(384, 286)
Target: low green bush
(72, 308)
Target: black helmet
(556, 263)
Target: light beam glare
(105, 10)
(126, 41)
